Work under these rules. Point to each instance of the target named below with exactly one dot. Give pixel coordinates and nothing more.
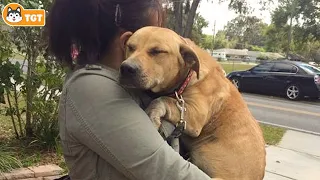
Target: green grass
(229, 67)
(272, 135)
(8, 161)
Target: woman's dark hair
(91, 25)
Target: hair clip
(74, 52)
(117, 18)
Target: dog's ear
(18, 9)
(9, 9)
(190, 57)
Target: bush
(45, 104)
(256, 48)
(47, 85)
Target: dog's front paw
(156, 110)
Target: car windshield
(310, 69)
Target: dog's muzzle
(130, 75)
(129, 70)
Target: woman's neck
(113, 58)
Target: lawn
(229, 67)
(272, 135)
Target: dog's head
(157, 59)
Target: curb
(46, 172)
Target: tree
(182, 13)
(191, 18)
(223, 41)
(207, 42)
(246, 30)
(316, 56)
(30, 41)
(276, 38)
(308, 48)
(310, 11)
(287, 11)
(296, 10)
(197, 35)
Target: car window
(310, 69)
(266, 67)
(284, 68)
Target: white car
(225, 74)
(313, 63)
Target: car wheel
(236, 82)
(293, 92)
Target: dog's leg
(196, 114)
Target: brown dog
(223, 138)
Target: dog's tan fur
(224, 139)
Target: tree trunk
(12, 117)
(190, 20)
(178, 11)
(29, 88)
(17, 110)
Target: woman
(104, 133)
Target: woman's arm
(110, 123)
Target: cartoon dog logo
(14, 16)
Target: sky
(221, 14)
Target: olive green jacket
(107, 136)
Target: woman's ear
(124, 38)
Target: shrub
(45, 104)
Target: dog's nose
(128, 69)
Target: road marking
(290, 128)
(284, 109)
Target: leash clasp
(182, 124)
(181, 105)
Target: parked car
(290, 78)
(313, 63)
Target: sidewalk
(296, 157)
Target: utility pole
(293, 13)
(214, 34)
(289, 37)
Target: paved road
(301, 115)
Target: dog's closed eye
(131, 48)
(156, 51)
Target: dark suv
(290, 78)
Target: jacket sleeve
(110, 123)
